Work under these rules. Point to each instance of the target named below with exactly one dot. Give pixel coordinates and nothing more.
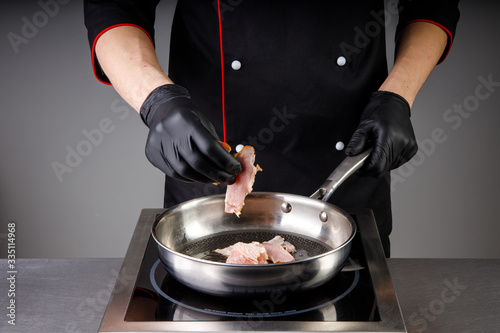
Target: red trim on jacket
(100, 34)
(450, 37)
(222, 73)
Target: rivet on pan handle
(343, 171)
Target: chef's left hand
(385, 124)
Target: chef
(304, 82)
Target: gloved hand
(182, 142)
(385, 124)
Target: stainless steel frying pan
(187, 234)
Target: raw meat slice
(278, 240)
(277, 253)
(225, 251)
(245, 253)
(237, 192)
(273, 251)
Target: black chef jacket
(296, 77)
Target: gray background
(445, 203)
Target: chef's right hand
(182, 142)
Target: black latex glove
(385, 124)
(182, 142)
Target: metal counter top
(71, 295)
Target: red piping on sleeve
(222, 73)
(450, 36)
(100, 34)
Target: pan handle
(343, 171)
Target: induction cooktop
(361, 298)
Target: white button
(239, 148)
(341, 61)
(236, 65)
(339, 146)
